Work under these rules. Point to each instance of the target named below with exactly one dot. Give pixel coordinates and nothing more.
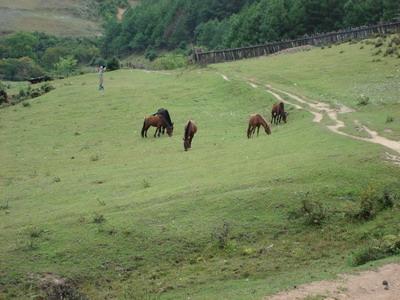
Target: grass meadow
(84, 197)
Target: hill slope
(84, 197)
(65, 18)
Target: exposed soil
(368, 285)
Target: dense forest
(213, 24)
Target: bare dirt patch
(368, 285)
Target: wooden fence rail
(211, 57)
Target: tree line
(216, 24)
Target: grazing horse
(156, 121)
(190, 130)
(256, 121)
(278, 113)
(164, 112)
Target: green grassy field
(64, 18)
(84, 197)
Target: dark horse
(256, 121)
(190, 130)
(156, 121)
(278, 113)
(164, 112)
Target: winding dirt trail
(318, 109)
(366, 285)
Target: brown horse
(190, 130)
(278, 113)
(156, 121)
(256, 121)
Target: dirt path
(366, 285)
(319, 109)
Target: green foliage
(19, 69)
(151, 54)
(66, 66)
(389, 245)
(219, 24)
(363, 100)
(312, 212)
(3, 93)
(221, 235)
(373, 201)
(170, 62)
(113, 64)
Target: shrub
(389, 245)
(98, 218)
(221, 235)
(389, 119)
(170, 62)
(113, 64)
(3, 93)
(372, 202)
(151, 54)
(19, 69)
(312, 212)
(389, 51)
(379, 42)
(395, 40)
(362, 100)
(47, 87)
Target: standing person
(101, 69)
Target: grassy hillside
(65, 18)
(84, 197)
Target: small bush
(113, 64)
(395, 40)
(379, 42)
(98, 218)
(390, 51)
(389, 119)
(362, 100)
(170, 62)
(312, 212)
(151, 54)
(372, 202)
(26, 104)
(94, 157)
(146, 184)
(4, 206)
(378, 52)
(388, 246)
(47, 87)
(221, 235)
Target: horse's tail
(187, 128)
(143, 128)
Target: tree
(66, 66)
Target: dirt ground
(367, 285)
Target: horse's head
(170, 130)
(267, 129)
(186, 144)
(284, 116)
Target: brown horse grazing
(190, 130)
(256, 121)
(278, 113)
(156, 121)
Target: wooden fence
(211, 57)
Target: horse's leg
(190, 141)
(258, 129)
(248, 131)
(155, 133)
